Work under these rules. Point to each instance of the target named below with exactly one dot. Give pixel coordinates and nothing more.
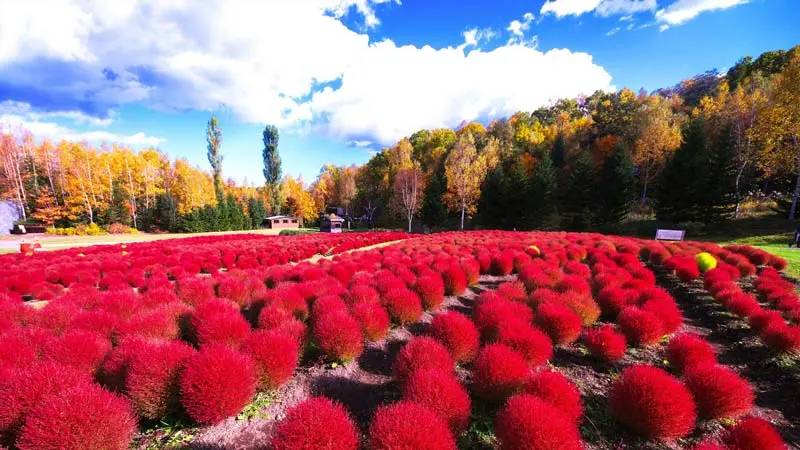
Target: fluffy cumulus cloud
(683, 11)
(562, 8)
(289, 62)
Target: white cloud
(613, 31)
(562, 8)
(474, 36)
(400, 89)
(18, 115)
(518, 28)
(289, 62)
(683, 11)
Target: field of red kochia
(196, 327)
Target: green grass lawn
(777, 244)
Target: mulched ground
(366, 383)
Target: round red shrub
(527, 422)
(289, 296)
(687, 350)
(374, 320)
(315, 424)
(455, 280)
(440, 392)
(430, 288)
(492, 311)
(502, 263)
(499, 372)
(81, 349)
(718, 391)
(753, 433)
(513, 290)
(652, 403)
(409, 425)
(216, 383)
(195, 290)
(559, 322)
(275, 355)
(742, 304)
(152, 377)
(640, 327)
(338, 335)
(557, 390)
(606, 343)
(781, 337)
(362, 293)
(403, 305)
(85, 417)
(583, 305)
(22, 388)
(15, 350)
(762, 319)
(218, 321)
(458, 333)
(421, 353)
(528, 341)
(667, 312)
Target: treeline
(691, 153)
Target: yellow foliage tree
(299, 201)
(778, 127)
(659, 131)
(465, 170)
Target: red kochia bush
(652, 403)
(527, 422)
(455, 280)
(499, 372)
(513, 290)
(640, 327)
(403, 305)
(409, 425)
(613, 299)
(667, 312)
(458, 333)
(753, 433)
(374, 320)
(81, 349)
(218, 321)
(430, 288)
(338, 335)
(719, 392)
(315, 424)
(440, 392)
(22, 388)
(492, 311)
(605, 343)
(687, 350)
(530, 342)
(362, 293)
(558, 390)
(152, 377)
(216, 383)
(559, 322)
(275, 355)
(782, 337)
(421, 353)
(86, 417)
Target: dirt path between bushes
(316, 258)
(361, 385)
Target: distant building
(330, 223)
(281, 222)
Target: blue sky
(342, 78)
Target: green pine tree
(579, 195)
(681, 183)
(541, 191)
(616, 187)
